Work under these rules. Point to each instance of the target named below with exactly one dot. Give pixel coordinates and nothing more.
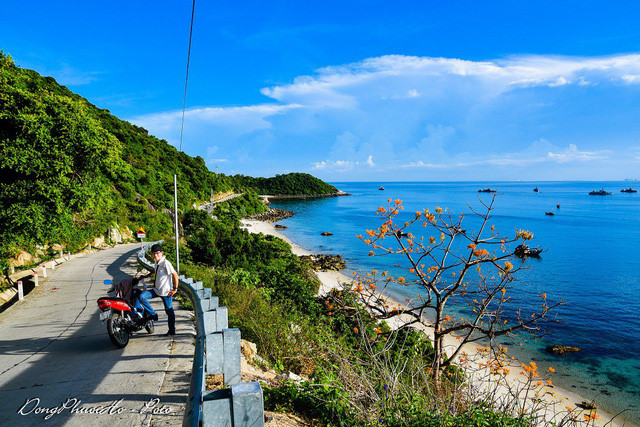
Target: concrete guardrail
(217, 351)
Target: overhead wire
(186, 81)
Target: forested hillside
(69, 170)
(289, 184)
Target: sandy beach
(506, 386)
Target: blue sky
(364, 91)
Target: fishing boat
(536, 190)
(486, 190)
(629, 190)
(599, 193)
(549, 213)
(381, 188)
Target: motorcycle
(122, 319)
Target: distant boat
(558, 206)
(381, 188)
(486, 190)
(549, 213)
(599, 193)
(536, 190)
(629, 190)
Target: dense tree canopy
(68, 169)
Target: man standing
(165, 286)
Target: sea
(590, 262)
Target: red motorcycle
(122, 319)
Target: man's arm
(174, 275)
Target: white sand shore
(556, 398)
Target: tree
(471, 271)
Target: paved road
(54, 348)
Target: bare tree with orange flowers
(464, 276)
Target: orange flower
(544, 295)
(508, 266)
(551, 369)
(569, 408)
(381, 210)
(539, 383)
(371, 253)
(401, 279)
(432, 240)
(398, 202)
(438, 210)
(549, 382)
(504, 291)
(471, 246)
(480, 252)
(371, 233)
(355, 329)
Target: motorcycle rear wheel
(118, 333)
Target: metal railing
(217, 351)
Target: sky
(358, 91)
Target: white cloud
(572, 153)
(425, 114)
(337, 165)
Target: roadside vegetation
(356, 370)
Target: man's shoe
(154, 317)
(170, 333)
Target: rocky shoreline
(272, 215)
(325, 262)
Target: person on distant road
(165, 287)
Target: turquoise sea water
(592, 262)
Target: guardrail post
(231, 364)
(53, 265)
(20, 291)
(214, 353)
(216, 408)
(35, 278)
(44, 270)
(248, 404)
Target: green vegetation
(69, 170)
(289, 184)
(359, 371)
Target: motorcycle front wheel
(117, 331)
(149, 326)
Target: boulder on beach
(280, 226)
(326, 233)
(325, 262)
(562, 349)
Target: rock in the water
(562, 349)
(325, 262)
(589, 406)
(280, 226)
(326, 233)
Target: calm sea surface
(592, 262)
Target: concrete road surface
(58, 366)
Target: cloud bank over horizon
(397, 117)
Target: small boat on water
(381, 188)
(486, 190)
(599, 193)
(558, 206)
(536, 190)
(629, 190)
(549, 213)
